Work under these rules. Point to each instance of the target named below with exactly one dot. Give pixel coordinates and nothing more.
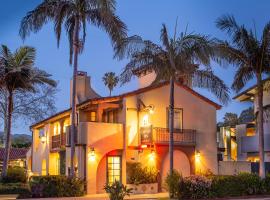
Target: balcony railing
(161, 136)
(58, 141)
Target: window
(93, 116)
(113, 169)
(178, 118)
(56, 128)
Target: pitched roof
(15, 153)
(135, 92)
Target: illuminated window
(56, 128)
(66, 124)
(93, 116)
(178, 118)
(113, 169)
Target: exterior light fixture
(152, 155)
(92, 154)
(143, 146)
(43, 139)
(197, 156)
(252, 98)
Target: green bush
(56, 186)
(238, 185)
(194, 187)
(14, 175)
(213, 186)
(117, 191)
(172, 183)
(21, 189)
(136, 174)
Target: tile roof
(135, 92)
(15, 153)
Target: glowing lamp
(43, 139)
(92, 155)
(143, 146)
(152, 155)
(197, 156)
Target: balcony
(159, 135)
(58, 141)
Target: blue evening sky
(143, 18)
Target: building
(248, 136)
(131, 127)
(19, 157)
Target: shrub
(117, 191)
(194, 187)
(56, 186)
(21, 189)
(136, 174)
(172, 183)
(14, 175)
(242, 184)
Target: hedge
(15, 175)
(216, 186)
(56, 186)
(21, 189)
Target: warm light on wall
(152, 155)
(197, 156)
(146, 120)
(43, 139)
(92, 155)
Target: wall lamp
(92, 154)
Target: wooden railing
(161, 136)
(56, 141)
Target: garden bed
(150, 188)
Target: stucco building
(131, 127)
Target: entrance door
(113, 169)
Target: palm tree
(173, 60)
(74, 16)
(110, 80)
(251, 56)
(17, 73)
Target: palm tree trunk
(171, 125)
(73, 112)
(260, 126)
(8, 134)
(110, 92)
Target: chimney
(83, 88)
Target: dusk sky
(142, 17)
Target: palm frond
(207, 79)
(243, 74)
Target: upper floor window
(93, 116)
(110, 116)
(178, 118)
(56, 128)
(66, 124)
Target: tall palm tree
(175, 59)
(251, 56)
(110, 80)
(17, 73)
(74, 16)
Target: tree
(251, 56)
(74, 16)
(230, 119)
(17, 73)
(246, 116)
(176, 59)
(28, 107)
(110, 80)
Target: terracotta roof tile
(15, 153)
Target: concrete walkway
(105, 197)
